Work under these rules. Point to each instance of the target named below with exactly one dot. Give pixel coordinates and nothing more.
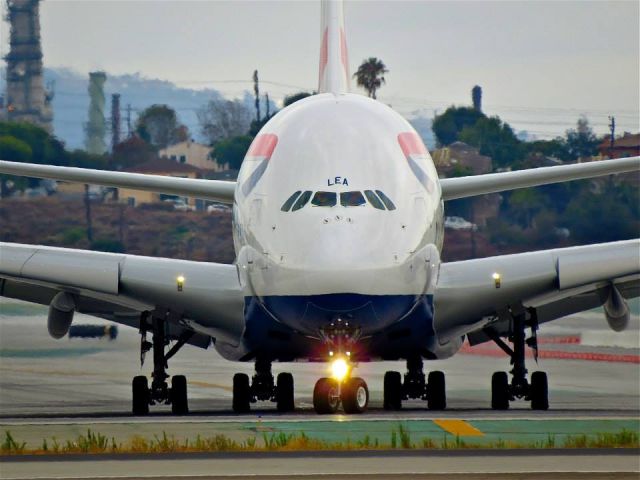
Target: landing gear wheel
(179, 403)
(326, 396)
(354, 395)
(500, 391)
(539, 391)
(241, 393)
(392, 391)
(284, 392)
(141, 396)
(436, 392)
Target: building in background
(96, 126)
(26, 99)
(165, 167)
(192, 153)
(626, 146)
(460, 159)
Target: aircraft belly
(309, 313)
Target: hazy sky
(529, 57)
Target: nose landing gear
(351, 392)
(341, 388)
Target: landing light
(339, 368)
(497, 279)
(180, 282)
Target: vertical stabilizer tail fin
(334, 60)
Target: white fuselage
(335, 144)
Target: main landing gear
(415, 385)
(262, 387)
(160, 392)
(503, 392)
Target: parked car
(180, 204)
(217, 207)
(459, 223)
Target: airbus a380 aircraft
(338, 229)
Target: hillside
(154, 231)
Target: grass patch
(96, 443)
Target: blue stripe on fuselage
(372, 313)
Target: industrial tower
(27, 100)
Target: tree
(14, 150)
(45, 148)
(159, 126)
(231, 151)
(581, 142)
(550, 148)
(494, 139)
(370, 75)
(289, 99)
(130, 152)
(222, 119)
(447, 127)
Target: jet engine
(61, 312)
(616, 310)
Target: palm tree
(370, 75)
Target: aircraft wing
(121, 287)
(461, 187)
(215, 190)
(551, 284)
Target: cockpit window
(386, 200)
(302, 201)
(373, 199)
(324, 199)
(352, 199)
(287, 205)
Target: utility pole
(128, 120)
(256, 90)
(612, 138)
(266, 101)
(115, 120)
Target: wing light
(497, 279)
(180, 282)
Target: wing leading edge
(554, 283)
(215, 190)
(120, 287)
(462, 187)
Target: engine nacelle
(616, 310)
(61, 312)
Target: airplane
(338, 226)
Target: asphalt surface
(63, 387)
(42, 377)
(562, 464)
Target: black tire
(436, 391)
(179, 401)
(140, 395)
(354, 395)
(284, 392)
(241, 393)
(500, 391)
(392, 391)
(539, 393)
(326, 396)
